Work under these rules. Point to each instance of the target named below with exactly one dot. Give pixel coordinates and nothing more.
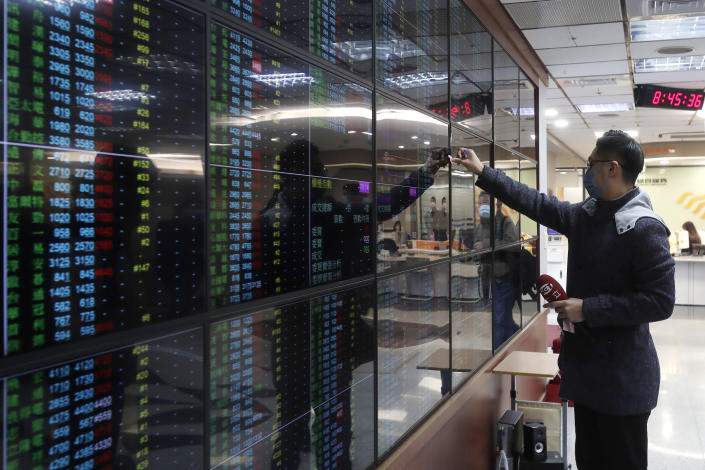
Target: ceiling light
(352, 132)
(633, 133)
(414, 137)
(684, 27)
(427, 142)
(675, 50)
(367, 133)
(401, 147)
(670, 64)
(664, 162)
(525, 111)
(561, 123)
(294, 134)
(551, 112)
(604, 107)
(533, 136)
(563, 172)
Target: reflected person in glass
(503, 277)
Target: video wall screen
(292, 386)
(137, 407)
(104, 154)
(339, 32)
(290, 192)
(174, 176)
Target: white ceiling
(587, 50)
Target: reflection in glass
(471, 309)
(338, 32)
(529, 273)
(527, 109)
(471, 72)
(412, 191)
(528, 176)
(412, 326)
(506, 99)
(412, 51)
(465, 213)
(136, 407)
(506, 221)
(294, 384)
(506, 295)
(295, 156)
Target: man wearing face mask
(502, 277)
(620, 278)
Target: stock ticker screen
(291, 387)
(338, 31)
(134, 408)
(104, 152)
(289, 171)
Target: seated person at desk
(693, 236)
(506, 268)
(400, 237)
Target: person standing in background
(440, 222)
(693, 235)
(620, 278)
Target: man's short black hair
(623, 148)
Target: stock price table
(134, 408)
(338, 31)
(293, 385)
(104, 181)
(289, 161)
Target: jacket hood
(626, 217)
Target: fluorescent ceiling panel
(574, 92)
(626, 98)
(644, 8)
(605, 107)
(684, 27)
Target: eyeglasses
(590, 163)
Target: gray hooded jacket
(620, 264)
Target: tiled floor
(677, 425)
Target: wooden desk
(534, 364)
(464, 360)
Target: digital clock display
(672, 98)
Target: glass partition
(412, 335)
(527, 111)
(528, 176)
(471, 315)
(506, 294)
(471, 72)
(506, 219)
(412, 191)
(412, 50)
(528, 267)
(465, 211)
(506, 99)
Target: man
(506, 268)
(620, 278)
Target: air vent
(608, 115)
(529, 15)
(645, 9)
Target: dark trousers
(608, 442)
